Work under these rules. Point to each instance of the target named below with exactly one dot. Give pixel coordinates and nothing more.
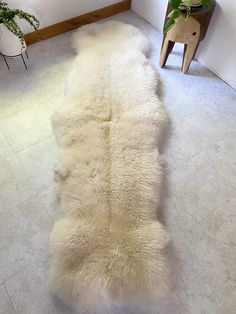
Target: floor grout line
(31, 197)
(35, 144)
(15, 112)
(10, 146)
(184, 162)
(11, 276)
(9, 298)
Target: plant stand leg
(166, 50)
(6, 62)
(26, 54)
(24, 61)
(189, 52)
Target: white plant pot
(196, 3)
(10, 44)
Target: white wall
(52, 11)
(218, 51)
(151, 10)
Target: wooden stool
(188, 32)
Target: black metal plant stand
(20, 55)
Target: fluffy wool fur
(109, 247)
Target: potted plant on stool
(182, 9)
(187, 26)
(12, 41)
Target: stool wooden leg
(165, 51)
(189, 52)
(196, 49)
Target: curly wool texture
(109, 247)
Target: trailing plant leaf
(206, 3)
(30, 19)
(7, 16)
(169, 24)
(175, 14)
(175, 3)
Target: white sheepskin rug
(109, 248)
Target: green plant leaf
(169, 24)
(7, 18)
(175, 3)
(206, 3)
(175, 14)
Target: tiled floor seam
(33, 145)
(4, 285)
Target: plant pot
(196, 3)
(10, 44)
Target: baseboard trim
(68, 25)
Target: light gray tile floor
(199, 203)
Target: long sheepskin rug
(109, 247)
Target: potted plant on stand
(181, 9)
(187, 22)
(12, 41)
